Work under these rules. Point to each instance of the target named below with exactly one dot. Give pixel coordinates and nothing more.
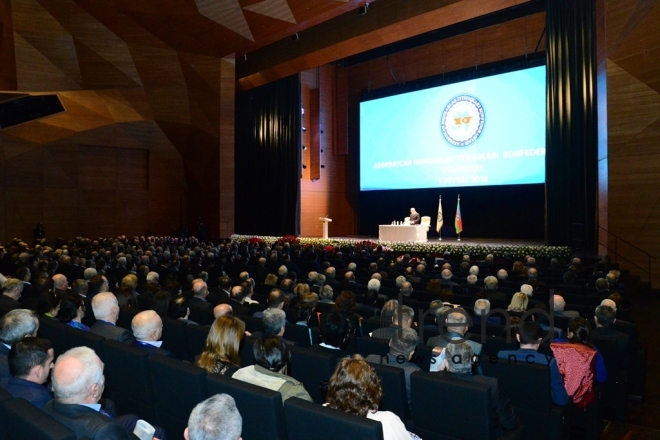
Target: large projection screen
(482, 132)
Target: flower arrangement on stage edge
(437, 249)
(291, 239)
(256, 240)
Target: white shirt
(393, 427)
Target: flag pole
(459, 204)
(439, 229)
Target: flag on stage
(458, 222)
(438, 225)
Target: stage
(468, 241)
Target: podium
(325, 221)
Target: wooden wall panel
(633, 106)
(330, 195)
(314, 130)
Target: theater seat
(26, 421)
(261, 408)
(309, 420)
(178, 386)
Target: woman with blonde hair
(300, 290)
(518, 304)
(220, 354)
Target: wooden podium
(325, 221)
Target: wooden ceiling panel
(93, 34)
(35, 72)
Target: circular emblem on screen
(462, 120)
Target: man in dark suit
(30, 362)
(237, 300)
(78, 383)
(106, 312)
(200, 292)
(604, 318)
(12, 289)
(14, 326)
(415, 218)
(407, 314)
(29, 296)
(148, 329)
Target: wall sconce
(304, 147)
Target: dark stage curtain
(268, 162)
(571, 156)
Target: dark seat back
(368, 345)
(53, 330)
(174, 338)
(312, 368)
(4, 396)
(395, 396)
(301, 334)
(431, 391)
(74, 337)
(26, 421)
(178, 387)
(261, 408)
(125, 318)
(196, 340)
(308, 420)
(128, 380)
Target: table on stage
(414, 233)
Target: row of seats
(164, 391)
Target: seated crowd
(320, 299)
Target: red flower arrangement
(291, 239)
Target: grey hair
(326, 292)
(273, 320)
(102, 304)
(406, 313)
(481, 307)
(373, 284)
(490, 283)
(16, 324)
(91, 374)
(403, 342)
(216, 418)
(459, 357)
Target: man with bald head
(106, 312)
(222, 310)
(148, 329)
(60, 284)
(200, 292)
(78, 384)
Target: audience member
(220, 353)
(106, 312)
(30, 361)
(216, 418)
(147, 329)
(271, 357)
(355, 388)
